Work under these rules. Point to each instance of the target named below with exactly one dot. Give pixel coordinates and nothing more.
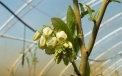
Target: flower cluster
(54, 42)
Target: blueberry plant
(65, 39)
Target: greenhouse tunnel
(17, 30)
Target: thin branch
(78, 23)
(76, 69)
(97, 24)
(81, 39)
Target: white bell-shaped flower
(42, 41)
(61, 36)
(47, 31)
(37, 35)
(51, 42)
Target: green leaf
(96, 14)
(65, 60)
(58, 59)
(89, 10)
(81, 7)
(90, 13)
(118, 1)
(88, 69)
(60, 25)
(71, 20)
(83, 12)
(76, 44)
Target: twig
(76, 69)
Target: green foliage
(83, 12)
(60, 25)
(96, 14)
(58, 55)
(64, 35)
(82, 8)
(90, 13)
(76, 44)
(118, 1)
(63, 53)
(71, 20)
(87, 69)
(65, 60)
(63, 50)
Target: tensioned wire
(39, 10)
(32, 7)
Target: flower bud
(61, 36)
(42, 41)
(37, 35)
(65, 45)
(70, 45)
(51, 42)
(47, 31)
(49, 51)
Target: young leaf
(90, 13)
(81, 7)
(88, 69)
(96, 14)
(60, 25)
(58, 59)
(73, 55)
(65, 60)
(83, 12)
(71, 20)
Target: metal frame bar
(120, 66)
(92, 73)
(12, 17)
(18, 60)
(16, 38)
(44, 69)
(51, 59)
(112, 66)
(23, 15)
(96, 3)
(110, 34)
(17, 17)
(110, 19)
(84, 35)
(114, 46)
